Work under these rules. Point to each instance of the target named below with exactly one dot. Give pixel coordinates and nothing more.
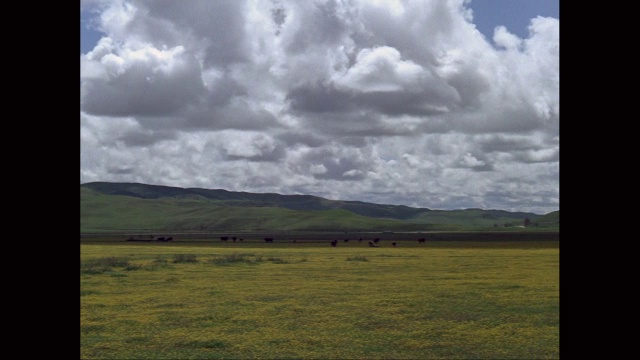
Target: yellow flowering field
(475, 300)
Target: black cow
(346, 240)
(268, 239)
(234, 239)
(394, 244)
(224, 238)
(421, 240)
(360, 240)
(376, 240)
(334, 243)
(372, 244)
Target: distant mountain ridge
(315, 210)
(292, 202)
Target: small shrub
(101, 265)
(92, 270)
(109, 262)
(210, 344)
(157, 264)
(235, 259)
(276, 260)
(184, 258)
(88, 292)
(357, 258)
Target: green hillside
(473, 217)
(550, 219)
(109, 207)
(103, 213)
(231, 198)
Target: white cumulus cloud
(401, 101)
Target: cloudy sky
(444, 104)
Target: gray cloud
(146, 137)
(301, 138)
(399, 102)
(337, 164)
(215, 27)
(319, 98)
(316, 24)
(142, 82)
(253, 147)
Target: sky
(443, 104)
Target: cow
(346, 240)
(334, 243)
(268, 239)
(224, 238)
(169, 238)
(376, 240)
(161, 238)
(360, 240)
(372, 244)
(394, 244)
(421, 240)
(234, 239)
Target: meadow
(252, 300)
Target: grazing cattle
(224, 238)
(376, 240)
(160, 238)
(372, 244)
(360, 240)
(234, 239)
(268, 239)
(169, 238)
(346, 240)
(421, 240)
(138, 239)
(394, 244)
(334, 243)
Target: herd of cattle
(373, 243)
(334, 243)
(150, 238)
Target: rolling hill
(110, 207)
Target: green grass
(445, 300)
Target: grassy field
(214, 300)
